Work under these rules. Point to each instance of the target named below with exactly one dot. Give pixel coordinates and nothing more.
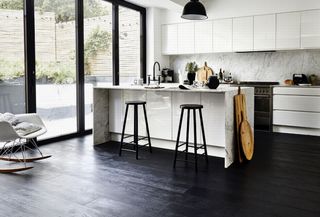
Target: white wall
(154, 21)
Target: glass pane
(97, 50)
(129, 44)
(12, 94)
(55, 65)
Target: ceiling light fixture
(194, 10)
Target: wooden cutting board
(204, 72)
(238, 118)
(245, 141)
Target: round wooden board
(204, 73)
(247, 141)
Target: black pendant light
(194, 10)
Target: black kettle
(213, 82)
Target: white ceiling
(176, 5)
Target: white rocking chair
(15, 144)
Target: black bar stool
(135, 135)
(189, 107)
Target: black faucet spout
(154, 70)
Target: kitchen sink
(153, 87)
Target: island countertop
(174, 87)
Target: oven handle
(263, 96)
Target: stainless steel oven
(262, 104)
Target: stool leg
(136, 129)
(147, 127)
(178, 137)
(123, 129)
(195, 140)
(204, 137)
(187, 135)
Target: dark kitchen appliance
(299, 79)
(167, 75)
(262, 103)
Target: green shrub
(56, 72)
(98, 40)
(11, 69)
(64, 9)
(1, 76)
(11, 4)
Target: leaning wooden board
(204, 73)
(244, 135)
(238, 109)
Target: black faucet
(154, 70)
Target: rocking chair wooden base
(27, 160)
(12, 170)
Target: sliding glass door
(55, 47)
(129, 44)
(12, 75)
(97, 25)
(53, 52)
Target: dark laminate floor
(282, 180)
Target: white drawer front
(311, 91)
(297, 119)
(296, 103)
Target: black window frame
(30, 58)
(115, 38)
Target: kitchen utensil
(183, 87)
(204, 73)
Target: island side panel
(214, 118)
(230, 149)
(116, 114)
(100, 116)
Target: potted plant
(191, 68)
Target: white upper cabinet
(288, 31)
(186, 38)
(243, 34)
(283, 31)
(203, 37)
(264, 32)
(169, 39)
(310, 29)
(222, 35)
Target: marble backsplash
(258, 66)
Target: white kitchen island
(163, 111)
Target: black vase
(213, 82)
(191, 77)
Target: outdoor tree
(64, 9)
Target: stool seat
(137, 102)
(191, 106)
